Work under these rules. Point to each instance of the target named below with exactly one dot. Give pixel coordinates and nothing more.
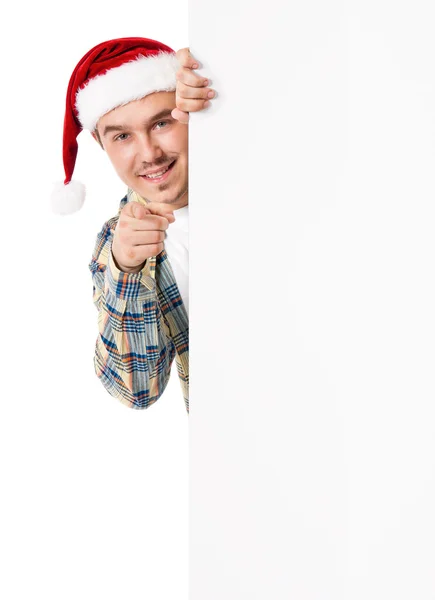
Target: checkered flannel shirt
(142, 322)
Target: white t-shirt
(177, 249)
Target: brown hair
(97, 135)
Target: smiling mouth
(159, 178)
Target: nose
(147, 149)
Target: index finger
(160, 208)
(150, 223)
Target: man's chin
(163, 196)
(160, 198)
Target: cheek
(177, 140)
(121, 157)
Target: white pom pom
(67, 199)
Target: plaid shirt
(142, 322)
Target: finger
(187, 91)
(191, 105)
(149, 223)
(144, 238)
(188, 77)
(142, 251)
(135, 210)
(180, 115)
(161, 209)
(186, 59)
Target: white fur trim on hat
(131, 81)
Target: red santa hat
(112, 74)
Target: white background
(312, 394)
(312, 217)
(94, 495)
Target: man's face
(141, 137)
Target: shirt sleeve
(134, 351)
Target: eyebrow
(163, 113)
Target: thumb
(181, 116)
(161, 209)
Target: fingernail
(194, 66)
(207, 104)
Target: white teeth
(155, 175)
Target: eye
(120, 138)
(159, 122)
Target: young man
(134, 95)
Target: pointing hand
(139, 234)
